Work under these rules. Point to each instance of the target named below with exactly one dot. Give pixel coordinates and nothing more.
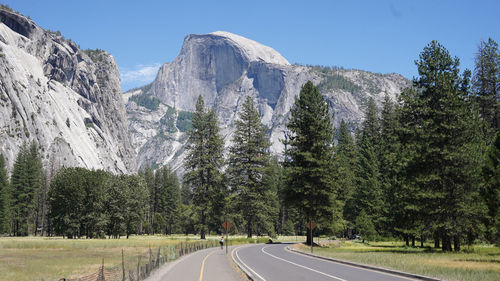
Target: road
(275, 263)
(204, 265)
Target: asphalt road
(204, 265)
(274, 263)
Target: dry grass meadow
(479, 262)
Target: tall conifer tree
(311, 187)
(486, 83)
(248, 161)
(444, 147)
(204, 164)
(4, 198)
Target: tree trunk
(446, 243)
(249, 229)
(436, 240)
(413, 241)
(309, 237)
(456, 243)
(407, 241)
(203, 219)
(422, 239)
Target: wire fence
(146, 263)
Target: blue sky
(381, 36)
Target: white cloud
(140, 74)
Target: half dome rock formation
(226, 68)
(66, 100)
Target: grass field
(43, 258)
(473, 263)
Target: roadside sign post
(311, 225)
(226, 225)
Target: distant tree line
(423, 168)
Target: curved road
(275, 263)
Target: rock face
(226, 68)
(66, 100)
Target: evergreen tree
(390, 162)
(66, 200)
(248, 161)
(26, 180)
(149, 177)
(204, 162)
(345, 163)
(486, 83)
(491, 190)
(365, 227)
(4, 198)
(137, 195)
(310, 185)
(92, 214)
(169, 198)
(443, 146)
(371, 125)
(368, 196)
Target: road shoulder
(365, 266)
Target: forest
(425, 167)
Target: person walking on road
(221, 242)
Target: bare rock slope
(66, 100)
(226, 68)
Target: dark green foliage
(96, 55)
(334, 81)
(168, 196)
(92, 203)
(310, 185)
(345, 162)
(4, 198)
(248, 170)
(486, 83)
(442, 151)
(204, 164)
(168, 120)
(364, 226)
(390, 161)
(146, 100)
(6, 7)
(491, 190)
(368, 196)
(26, 179)
(184, 123)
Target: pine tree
(345, 163)
(390, 161)
(486, 83)
(310, 185)
(203, 164)
(4, 198)
(368, 196)
(248, 161)
(136, 202)
(169, 196)
(26, 180)
(491, 190)
(443, 149)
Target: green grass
(480, 262)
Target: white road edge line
(353, 266)
(299, 265)
(235, 251)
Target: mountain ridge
(68, 101)
(224, 75)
